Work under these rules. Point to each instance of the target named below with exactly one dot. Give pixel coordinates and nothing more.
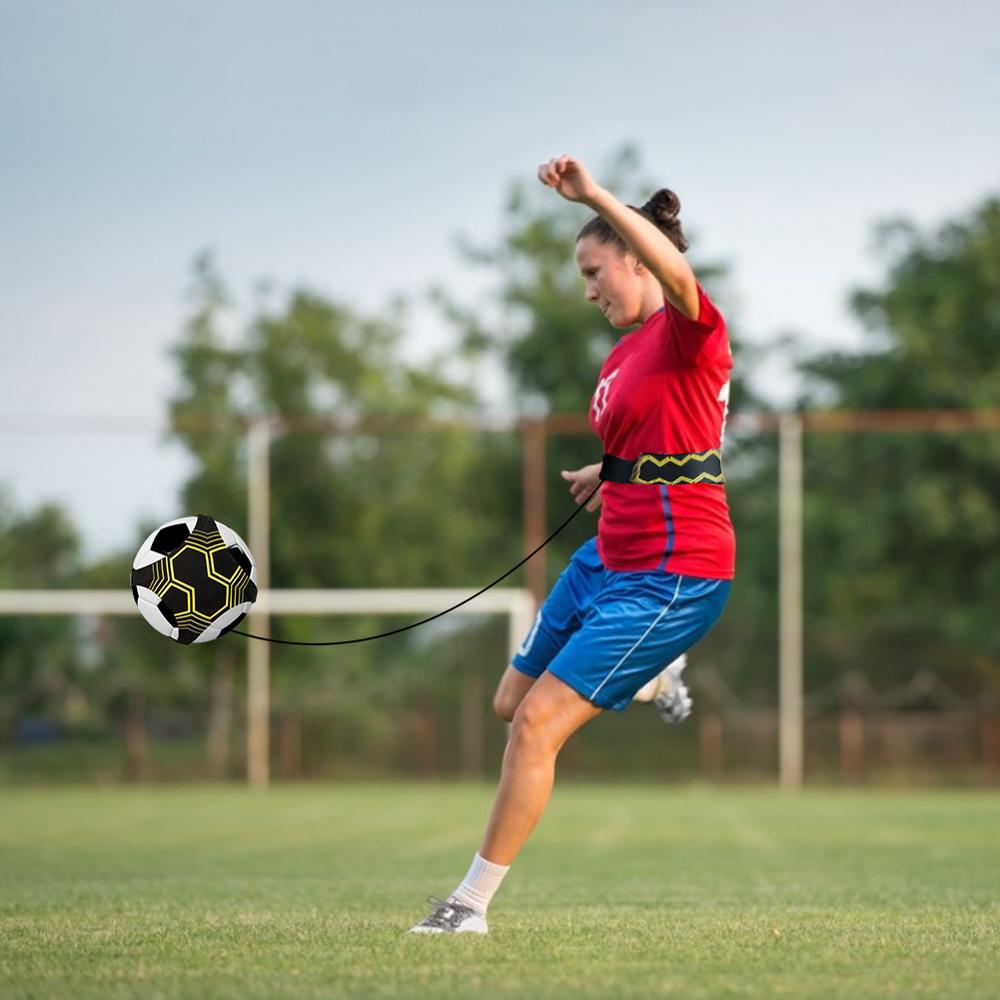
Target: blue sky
(345, 146)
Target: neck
(652, 296)
(651, 303)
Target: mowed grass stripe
(623, 892)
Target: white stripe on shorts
(593, 694)
(529, 640)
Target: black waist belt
(668, 470)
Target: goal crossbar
(516, 603)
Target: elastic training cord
(424, 621)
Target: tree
(550, 341)
(392, 498)
(906, 526)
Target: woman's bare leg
(549, 714)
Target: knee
(530, 727)
(510, 693)
(504, 706)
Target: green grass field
(624, 891)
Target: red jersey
(664, 388)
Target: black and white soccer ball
(194, 579)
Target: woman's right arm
(582, 482)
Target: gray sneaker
(451, 917)
(674, 701)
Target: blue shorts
(606, 633)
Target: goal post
(516, 603)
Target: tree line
(901, 530)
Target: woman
(656, 578)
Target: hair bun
(664, 206)
(663, 209)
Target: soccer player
(657, 576)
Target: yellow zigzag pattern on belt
(702, 477)
(699, 456)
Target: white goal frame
(516, 603)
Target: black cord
(396, 631)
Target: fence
(794, 746)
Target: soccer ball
(194, 579)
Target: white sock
(480, 883)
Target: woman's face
(614, 281)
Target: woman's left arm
(652, 247)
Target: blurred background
(323, 219)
